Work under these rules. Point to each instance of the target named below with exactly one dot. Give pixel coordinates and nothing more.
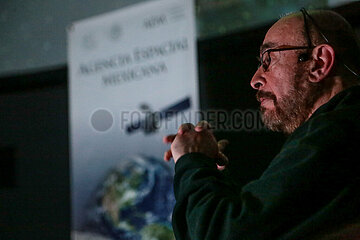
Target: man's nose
(257, 80)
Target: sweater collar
(348, 97)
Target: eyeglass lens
(264, 60)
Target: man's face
(286, 96)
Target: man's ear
(323, 57)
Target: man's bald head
(339, 34)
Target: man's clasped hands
(199, 138)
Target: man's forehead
(286, 31)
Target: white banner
(133, 79)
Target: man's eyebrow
(266, 46)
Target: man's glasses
(265, 59)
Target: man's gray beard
(293, 109)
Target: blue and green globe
(136, 200)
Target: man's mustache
(262, 94)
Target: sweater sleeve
(302, 181)
(203, 199)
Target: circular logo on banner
(102, 120)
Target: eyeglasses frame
(261, 59)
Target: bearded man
(307, 86)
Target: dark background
(34, 140)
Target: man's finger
(222, 162)
(185, 127)
(202, 125)
(222, 144)
(220, 168)
(167, 155)
(169, 138)
(222, 159)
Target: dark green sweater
(310, 186)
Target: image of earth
(135, 201)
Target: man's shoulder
(341, 105)
(340, 114)
(334, 127)
(329, 135)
